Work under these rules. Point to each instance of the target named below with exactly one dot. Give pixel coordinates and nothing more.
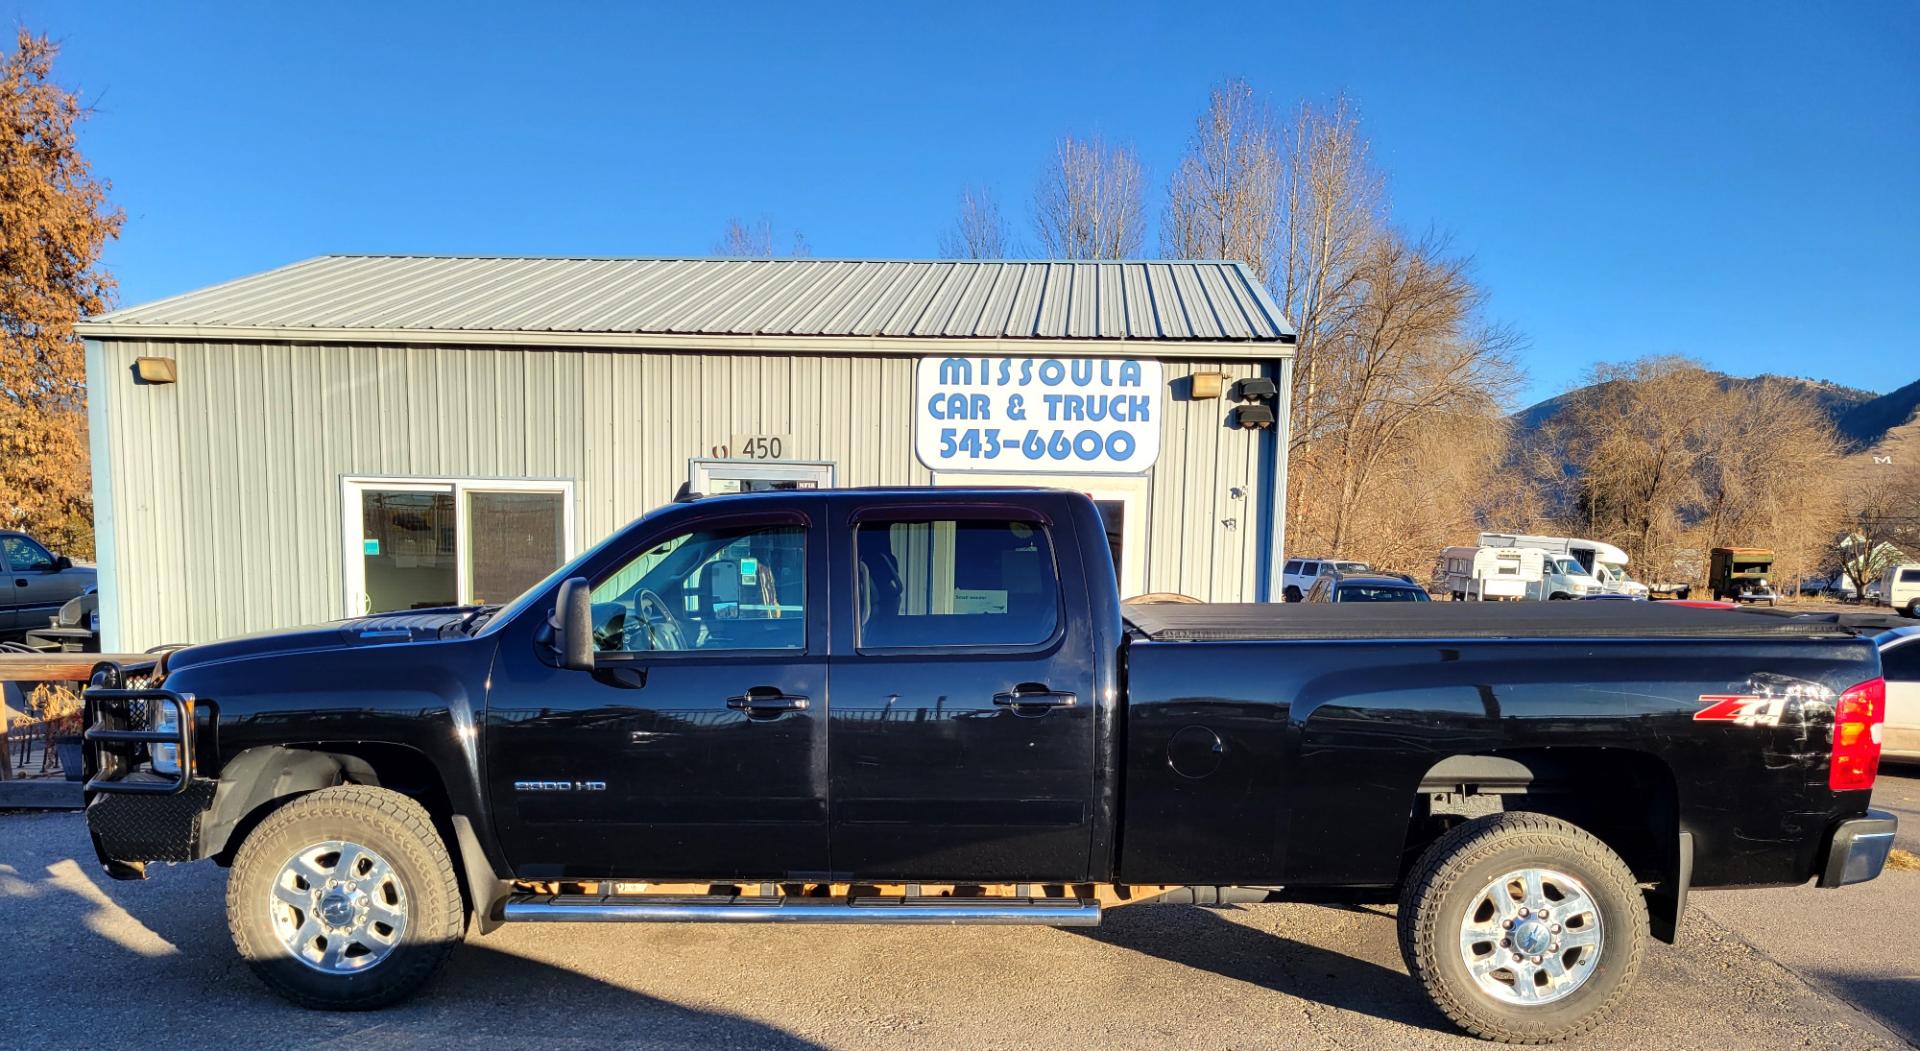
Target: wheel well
(1629, 800)
(287, 772)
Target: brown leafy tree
(1088, 203)
(54, 220)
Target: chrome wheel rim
(1531, 937)
(338, 907)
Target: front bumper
(1859, 849)
(130, 829)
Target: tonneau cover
(1188, 622)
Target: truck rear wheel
(1523, 928)
(345, 899)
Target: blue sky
(1739, 182)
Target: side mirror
(62, 563)
(572, 624)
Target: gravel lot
(85, 957)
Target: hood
(382, 629)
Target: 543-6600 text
(991, 443)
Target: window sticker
(749, 570)
(371, 546)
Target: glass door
(407, 556)
(514, 538)
(417, 544)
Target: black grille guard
(114, 739)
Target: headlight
(166, 757)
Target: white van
(1900, 588)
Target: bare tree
(1882, 523)
(755, 240)
(1667, 460)
(1088, 203)
(978, 232)
(1413, 362)
(1223, 201)
(1769, 476)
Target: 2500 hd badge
(930, 706)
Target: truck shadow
(85, 955)
(1205, 939)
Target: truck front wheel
(1522, 928)
(345, 899)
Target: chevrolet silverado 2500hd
(930, 706)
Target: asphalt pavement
(83, 958)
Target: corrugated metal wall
(225, 486)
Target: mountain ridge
(1863, 418)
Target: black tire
(1447, 881)
(394, 828)
(1913, 609)
(1291, 593)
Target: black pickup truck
(930, 706)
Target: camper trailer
(1470, 574)
(1606, 564)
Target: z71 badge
(1740, 709)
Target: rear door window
(1901, 663)
(955, 583)
(1293, 568)
(1910, 576)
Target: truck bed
(1222, 622)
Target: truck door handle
(767, 700)
(1034, 695)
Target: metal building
(356, 433)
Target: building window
(419, 544)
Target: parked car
(929, 706)
(1900, 663)
(1358, 587)
(36, 583)
(1899, 588)
(1739, 574)
(1298, 575)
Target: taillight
(1856, 736)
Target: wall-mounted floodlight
(1207, 385)
(1252, 416)
(1256, 388)
(156, 370)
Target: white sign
(1052, 415)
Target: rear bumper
(1859, 848)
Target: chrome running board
(663, 908)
